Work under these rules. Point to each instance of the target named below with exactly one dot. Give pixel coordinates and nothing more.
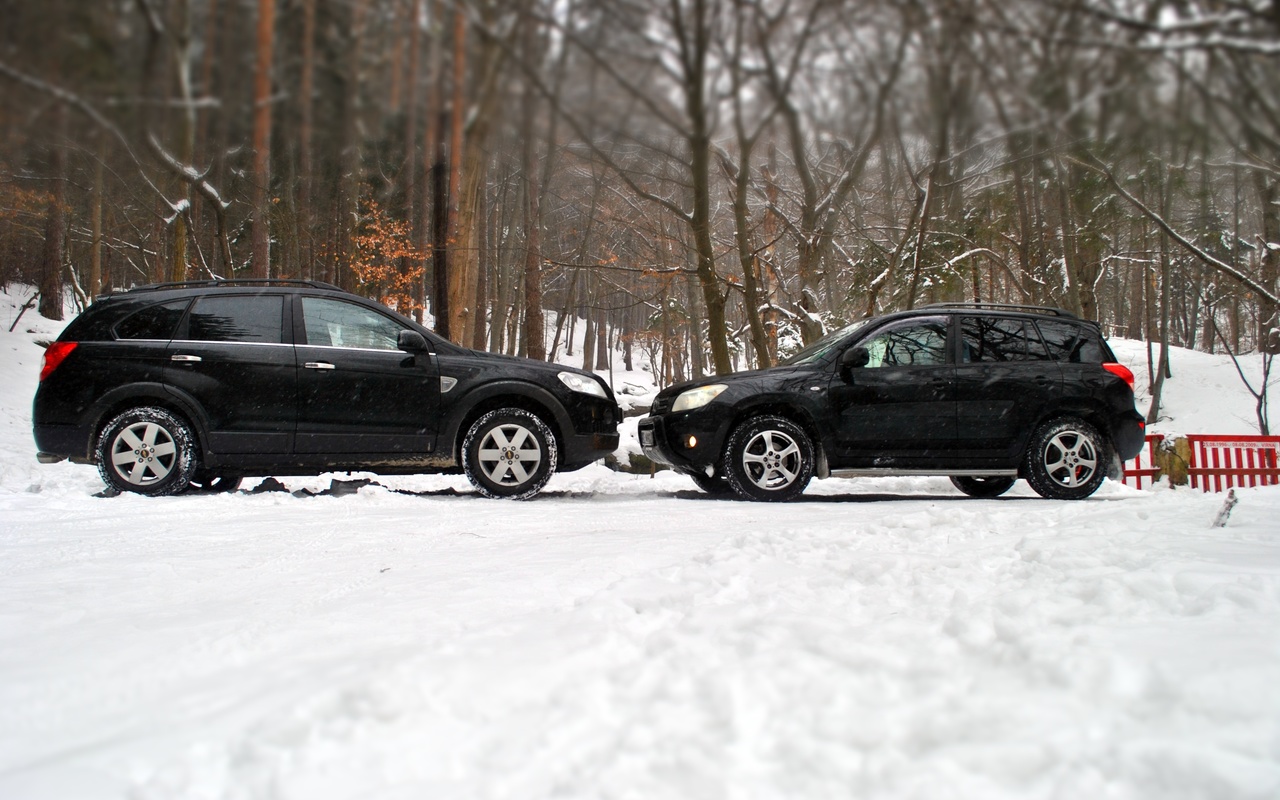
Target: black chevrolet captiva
(196, 385)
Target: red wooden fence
(1221, 462)
(1216, 463)
(1144, 468)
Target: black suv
(199, 384)
(984, 394)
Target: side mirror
(411, 342)
(855, 358)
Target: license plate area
(646, 438)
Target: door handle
(185, 358)
(318, 365)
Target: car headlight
(697, 398)
(584, 384)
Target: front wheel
(982, 485)
(716, 486)
(147, 450)
(509, 453)
(768, 458)
(1067, 459)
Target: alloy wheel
(143, 453)
(509, 454)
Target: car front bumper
(687, 442)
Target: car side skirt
(928, 473)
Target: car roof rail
(1026, 309)
(218, 282)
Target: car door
(898, 410)
(358, 393)
(1005, 382)
(233, 358)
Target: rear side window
(1076, 344)
(244, 318)
(988, 339)
(153, 322)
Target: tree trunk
(55, 225)
(480, 228)
(306, 147)
(94, 283)
(409, 172)
(434, 203)
(534, 325)
(262, 141)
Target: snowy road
(626, 637)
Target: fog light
(693, 442)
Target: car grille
(661, 405)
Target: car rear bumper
(57, 442)
(1128, 434)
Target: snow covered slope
(622, 637)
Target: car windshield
(821, 348)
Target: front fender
(494, 395)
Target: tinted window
(1073, 343)
(991, 339)
(237, 319)
(339, 324)
(920, 343)
(156, 322)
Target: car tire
(1066, 459)
(213, 482)
(147, 450)
(768, 458)
(509, 453)
(983, 485)
(716, 486)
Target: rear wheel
(982, 485)
(214, 483)
(768, 458)
(509, 453)
(147, 450)
(1067, 459)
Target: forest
(703, 185)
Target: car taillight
(54, 355)
(1120, 371)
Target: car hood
(772, 373)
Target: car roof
(222, 283)
(1000, 309)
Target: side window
(919, 343)
(988, 339)
(1072, 343)
(243, 318)
(337, 323)
(154, 322)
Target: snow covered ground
(628, 637)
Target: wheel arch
(138, 395)
(781, 406)
(1091, 413)
(504, 394)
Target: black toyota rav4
(196, 385)
(983, 394)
